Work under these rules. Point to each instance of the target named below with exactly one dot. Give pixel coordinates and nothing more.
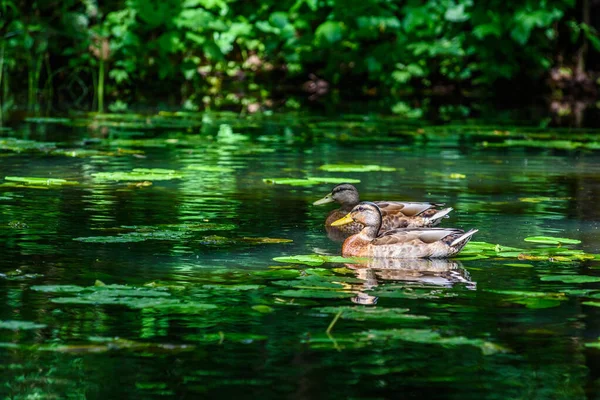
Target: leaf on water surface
(139, 174)
(209, 168)
(290, 181)
(36, 181)
(58, 288)
(570, 278)
(322, 179)
(364, 313)
(20, 325)
(261, 308)
(130, 296)
(308, 181)
(533, 300)
(412, 293)
(536, 303)
(315, 294)
(355, 168)
(159, 232)
(313, 283)
(237, 288)
(519, 293)
(261, 240)
(519, 265)
(551, 240)
(315, 260)
(430, 337)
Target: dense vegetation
(257, 55)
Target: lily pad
(315, 294)
(429, 337)
(355, 168)
(133, 234)
(335, 181)
(290, 181)
(139, 174)
(236, 288)
(374, 313)
(551, 240)
(570, 278)
(261, 308)
(134, 237)
(308, 181)
(58, 288)
(315, 260)
(36, 181)
(20, 325)
(130, 296)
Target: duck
(395, 214)
(398, 243)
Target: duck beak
(324, 200)
(343, 221)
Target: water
(239, 324)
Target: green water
(203, 310)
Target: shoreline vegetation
(434, 59)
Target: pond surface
(118, 283)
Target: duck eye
(361, 209)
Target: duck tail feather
(441, 214)
(463, 239)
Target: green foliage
(216, 53)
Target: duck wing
(389, 208)
(424, 235)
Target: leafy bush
(216, 53)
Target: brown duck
(398, 243)
(395, 214)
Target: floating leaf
(314, 260)
(315, 294)
(551, 240)
(570, 278)
(261, 240)
(28, 180)
(373, 313)
(321, 179)
(58, 288)
(237, 288)
(519, 265)
(159, 232)
(308, 181)
(20, 325)
(261, 308)
(429, 337)
(290, 181)
(355, 168)
(130, 296)
(139, 174)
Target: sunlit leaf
(354, 168)
(139, 174)
(20, 325)
(40, 181)
(372, 313)
(570, 278)
(551, 240)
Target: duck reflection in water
(415, 272)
